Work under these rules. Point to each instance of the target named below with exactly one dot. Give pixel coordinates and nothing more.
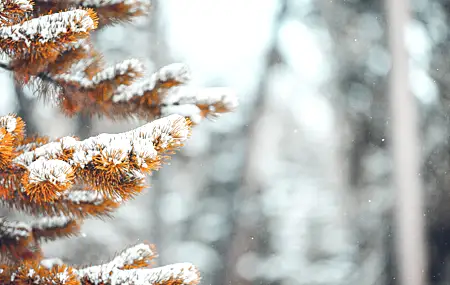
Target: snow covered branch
(180, 273)
(45, 34)
(164, 94)
(113, 164)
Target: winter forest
(309, 143)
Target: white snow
(51, 222)
(50, 262)
(81, 196)
(53, 171)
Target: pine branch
(115, 93)
(161, 95)
(46, 36)
(112, 164)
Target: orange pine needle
(47, 179)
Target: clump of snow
(53, 170)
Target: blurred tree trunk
(410, 246)
(362, 138)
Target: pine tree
(61, 182)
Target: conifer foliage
(46, 46)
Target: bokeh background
(296, 186)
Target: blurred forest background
(295, 187)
